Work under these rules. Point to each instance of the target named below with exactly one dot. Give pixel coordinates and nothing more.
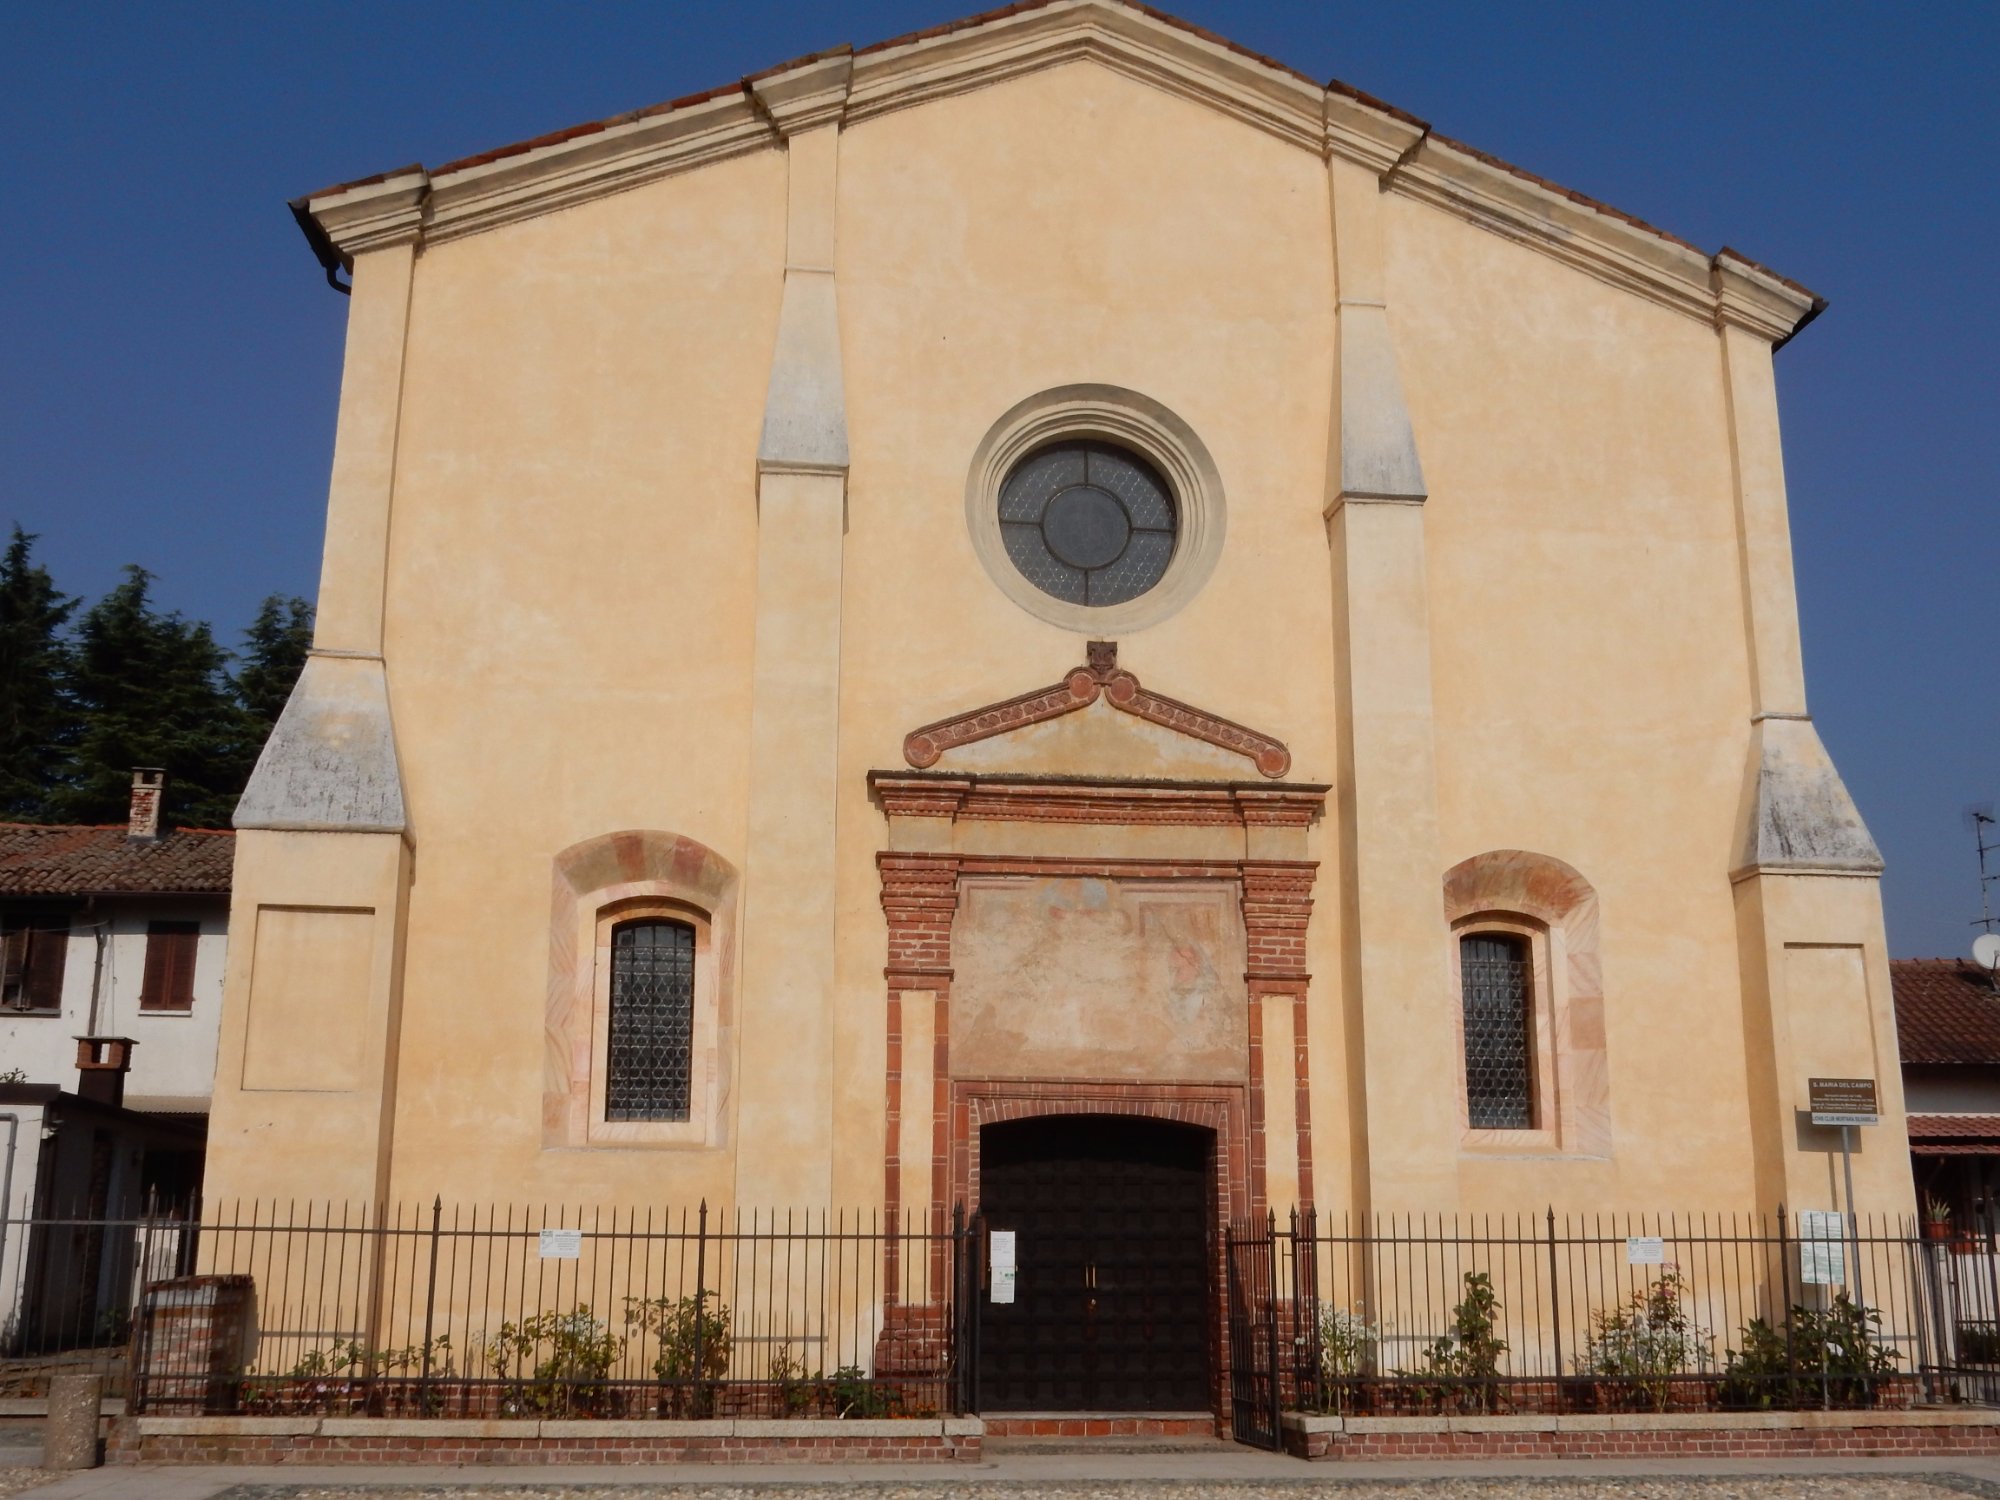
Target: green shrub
(1347, 1348)
(852, 1394)
(1638, 1346)
(1461, 1369)
(1818, 1357)
(695, 1344)
(559, 1363)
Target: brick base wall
(332, 1440)
(1775, 1435)
(1138, 1426)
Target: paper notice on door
(1003, 1283)
(1002, 1251)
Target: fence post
(1555, 1309)
(1271, 1325)
(700, 1301)
(1784, 1310)
(430, 1308)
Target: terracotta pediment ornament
(1099, 677)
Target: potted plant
(1937, 1218)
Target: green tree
(274, 653)
(151, 691)
(37, 720)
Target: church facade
(1050, 586)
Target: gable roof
(545, 172)
(1947, 1011)
(67, 859)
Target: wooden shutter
(48, 950)
(169, 982)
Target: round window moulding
(1095, 508)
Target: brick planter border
(1940, 1432)
(378, 1440)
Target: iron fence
(499, 1311)
(1611, 1313)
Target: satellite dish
(1986, 950)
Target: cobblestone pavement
(15, 1480)
(1742, 1487)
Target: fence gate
(1251, 1252)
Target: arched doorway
(1112, 1217)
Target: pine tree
(274, 653)
(151, 691)
(37, 723)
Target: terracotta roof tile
(66, 859)
(1947, 1011)
(1954, 1127)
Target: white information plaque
(1822, 1248)
(1003, 1283)
(562, 1244)
(1645, 1250)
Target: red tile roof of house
(67, 859)
(1954, 1127)
(1947, 1011)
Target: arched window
(648, 1067)
(1496, 984)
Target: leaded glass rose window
(1088, 522)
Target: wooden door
(1111, 1216)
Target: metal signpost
(1846, 1102)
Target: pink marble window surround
(598, 883)
(1551, 905)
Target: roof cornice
(848, 86)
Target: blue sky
(173, 354)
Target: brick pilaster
(1277, 909)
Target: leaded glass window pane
(1088, 523)
(652, 1021)
(1494, 979)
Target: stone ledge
(1689, 1422)
(818, 1429)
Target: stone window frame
(600, 883)
(1126, 419)
(1544, 1084)
(1537, 896)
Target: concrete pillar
(76, 1403)
(784, 1155)
(1810, 941)
(1403, 1080)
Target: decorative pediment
(1099, 678)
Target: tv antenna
(1986, 838)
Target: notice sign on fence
(1000, 1259)
(1645, 1250)
(1822, 1248)
(1842, 1101)
(562, 1244)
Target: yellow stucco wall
(570, 628)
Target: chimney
(149, 788)
(101, 1065)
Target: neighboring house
(1054, 617)
(114, 940)
(115, 931)
(1948, 1030)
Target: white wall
(175, 1058)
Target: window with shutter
(169, 981)
(36, 947)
